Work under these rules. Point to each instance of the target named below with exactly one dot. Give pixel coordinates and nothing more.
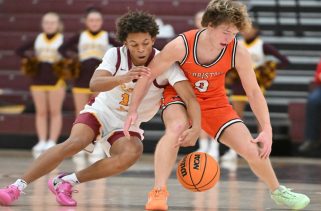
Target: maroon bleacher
(108, 7)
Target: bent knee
(251, 154)
(127, 158)
(176, 127)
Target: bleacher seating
(21, 22)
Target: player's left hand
(130, 120)
(264, 142)
(188, 138)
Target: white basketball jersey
(47, 49)
(256, 50)
(92, 46)
(118, 99)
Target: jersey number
(201, 85)
(125, 99)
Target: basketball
(198, 172)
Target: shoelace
(288, 191)
(157, 193)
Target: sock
(20, 184)
(50, 140)
(71, 178)
(203, 144)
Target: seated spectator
(311, 146)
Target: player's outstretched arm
(174, 51)
(256, 99)
(189, 136)
(103, 80)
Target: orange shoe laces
(159, 193)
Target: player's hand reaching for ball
(135, 73)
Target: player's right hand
(130, 120)
(136, 72)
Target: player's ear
(153, 40)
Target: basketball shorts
(106, 124)
(214, 119)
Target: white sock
(71, 178)
(203, 143)
(50, 140)
(20, 184)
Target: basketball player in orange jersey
(104, 115)
(205, 56)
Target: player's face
(222, 34)
(50, 24)
(94, 21)
(140, 46)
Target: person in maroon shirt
(311, 147)
(47, 89)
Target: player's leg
(124, 153)
(56, 98)
(176, 121)
(242, 144)
(81, 135)
(41, 106)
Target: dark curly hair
(135, 22)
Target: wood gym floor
(238, 190)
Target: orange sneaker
(157, 199)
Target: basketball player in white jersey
(47, 89)
(104, 115)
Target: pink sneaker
(8, 195)
(63, 191)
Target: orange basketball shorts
(214, 119)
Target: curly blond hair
(226, 12)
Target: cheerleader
(91, 45)
(264, 68)
(47, 89)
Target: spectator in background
(47, 88)
(312, 145)
(91, 45)
(165, 30)
(88, 46)
(264, 69)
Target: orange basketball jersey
(207, 80)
